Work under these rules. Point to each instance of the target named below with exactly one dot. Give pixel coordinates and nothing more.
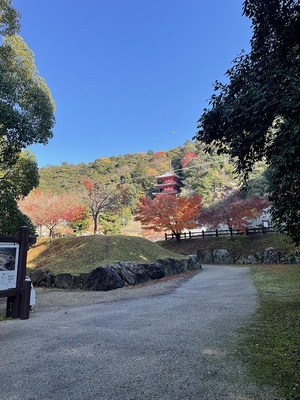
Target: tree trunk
(51, 234)
(177, 236)
(95, 219)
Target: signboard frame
(9, 263)
(18, 297)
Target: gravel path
(168, 340)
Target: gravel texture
(168, 340)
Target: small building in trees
(168, 183)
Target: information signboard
(9, 255)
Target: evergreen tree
(256, 116)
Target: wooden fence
(221, 232)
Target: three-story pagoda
(168, 183)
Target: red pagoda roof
(167, 175)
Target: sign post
(13, 283)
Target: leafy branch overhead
(256, 116)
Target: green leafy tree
(26, 105)
(9, 18)
(21, 177)
(110, 224)
(256, 116)
(80, 225)
(11, 218)
(15, 183)
(26, 117)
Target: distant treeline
(207, 174)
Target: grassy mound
(82, 254)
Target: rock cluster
(115, 276)
(268, 256)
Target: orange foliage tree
(234, 211)
(169, 212)
(46, 209)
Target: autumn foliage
(187, 158)
(46, 209)
(169, 213)
(234, 211)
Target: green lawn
(271, 342)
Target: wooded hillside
(208, 175)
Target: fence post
(190, 234)
(217, 233)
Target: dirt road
(168, 341)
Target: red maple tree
(234, 211)
(169, 212)
(46, 209)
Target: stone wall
(114, 276)
(269, 256)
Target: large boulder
(131, 273)
(40, 277)
(126, 274)
(222, 256)
(204, 256)
(248, 259)
(69, 281)
(193, 262)
(270, 256)
(154, 270)
(173, 266)
(103, 279)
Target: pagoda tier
(168, 183)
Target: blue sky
(129, 76)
